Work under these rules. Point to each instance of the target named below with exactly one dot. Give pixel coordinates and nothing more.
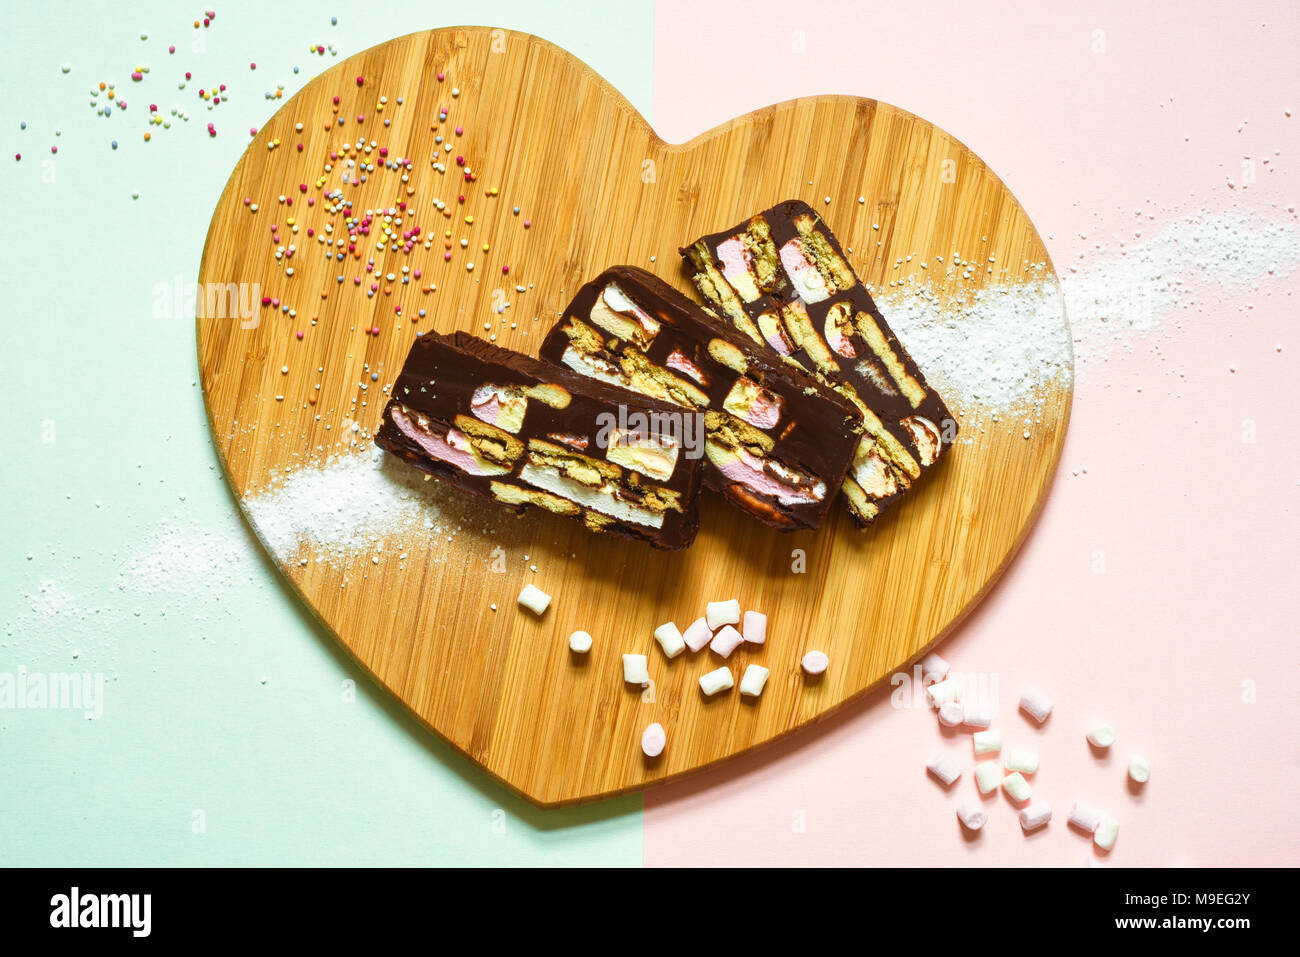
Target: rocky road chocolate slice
(523, 432)
(782, 279)
(778, 443)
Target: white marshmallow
(943, 767)
(1139, 769)
(987, 776)
(1101, 736)
(1084, 818)
(1035, 816)
(719, 613)
(717, 680)
(815, 662)
(972, 816)
(942, 692)
(1036, 704)
(534, 599)
(755, 627)
(653, 740)
(934, 667)
(635, 671)
(725, 641)
(753, 680)
(670, 639)
(986, 742)
(977, 714)
(1026, 762)
(1017, 787)
(580, 642)
(951, 714)
(1107, 831)
(697, 634)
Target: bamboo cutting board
(432, 617)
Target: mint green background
(105, 432)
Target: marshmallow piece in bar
(580, 642)
(1084, 818)
(719, 613)
(755, 627)
(697, 634)
(1107, 831)
(753, 680)
(1036, 704)
(977, 713)
(815, 662)
(951, 714)
(1017, 787)
(1026, 762)
(670, 639)
(942, 692)
(726, 641)
(1139, 769)
(1035, 816)
(534, 599)
(653, 740)
(717, 680)
(972, 816)
(934, 667)
(944, 768)
(1101, 736)
(987, 776)
(986, 742)
(635, 671)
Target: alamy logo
(53, 691)
(685, 430)
(76, 909)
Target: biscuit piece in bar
(522, 432)
(778, 443)
(782, 279)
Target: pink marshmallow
(697, 635)
(726, 641)
(755, 627)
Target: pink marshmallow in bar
(726, 641)
(755, 627)
(697, 635)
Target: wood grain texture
(599, 188)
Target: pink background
(1198, 601)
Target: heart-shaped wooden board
(429, 608)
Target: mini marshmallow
(1035, 816)
(719, 613)
(534, 599)
(977, 714)
(635, 671)
(580, 642)
(670, 639)
(717, 680)
(753, 680)
(1026, 762)
(972, 816)
(653, 740)
(1084, 818)
(1036, 704)
(755, 627)
(944, 768)
(1101, 736)
(697, 634)
(951, 714)
(942, 692)
(1139, 769)
(986, 742)
(932, 666)
(815, 662)
(1107, 831)
(988, 776)
(1017, 787)
(726, 641)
